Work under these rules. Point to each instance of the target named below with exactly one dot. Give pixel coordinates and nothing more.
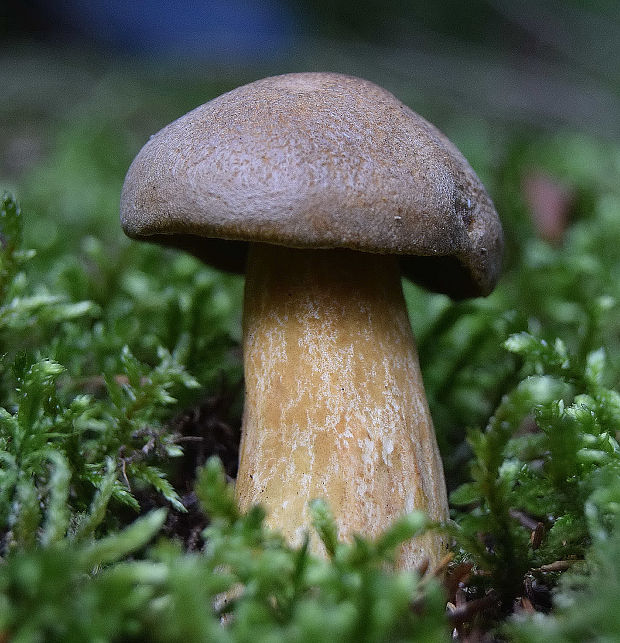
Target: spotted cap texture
(316, 160)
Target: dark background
(549, 64)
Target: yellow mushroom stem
(335, 406)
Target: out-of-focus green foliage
(587, 595)
(247, 585)
(549, 470)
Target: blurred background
(541, 64)
(528, 90)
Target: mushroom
(327, 187)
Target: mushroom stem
(335, 406)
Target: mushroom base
(335, 406)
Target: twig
(557, 566)
(524, 520)
(458, 615)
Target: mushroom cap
(316, 160)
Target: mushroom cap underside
(316, 160)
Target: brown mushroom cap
(316, 160)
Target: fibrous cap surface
(316, 160)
